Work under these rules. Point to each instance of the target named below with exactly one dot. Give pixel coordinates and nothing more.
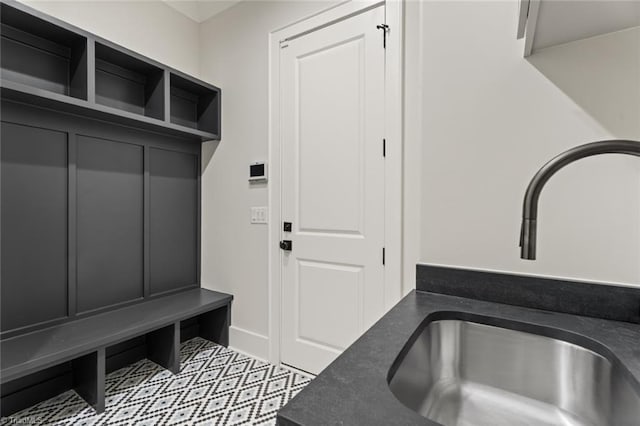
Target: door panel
(317, 283)
(340, 65)
(333, 188)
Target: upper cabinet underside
(545, 23)
(52, 64)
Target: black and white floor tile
(216, 386)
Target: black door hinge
(383, 256)
(384, 28)
(384, 147)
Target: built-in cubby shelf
(193, 105)
(127, 83)
(39, 54)
(49, 63)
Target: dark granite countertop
(353, 390)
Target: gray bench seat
(83, 342)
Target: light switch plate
(259, 215)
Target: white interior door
(332, 129)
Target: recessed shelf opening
(129, 84)
(42, 55)
(193, 105)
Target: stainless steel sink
(465, 373)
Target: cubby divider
(89, 378)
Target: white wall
(235, 56)
(413, 141)
(150, 28)
(491, 119)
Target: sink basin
(457, 372)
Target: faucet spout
(528, 229)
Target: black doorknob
(286, 245)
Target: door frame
(394, 17)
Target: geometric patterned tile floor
(215, 386)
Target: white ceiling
(201, 10)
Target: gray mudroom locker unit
(100, 220)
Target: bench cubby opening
(161, 346)
(212, 325)
(39, 54)
(125, 353)
(22, 393)
(128, 84)
(85, 375)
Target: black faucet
(530, 207)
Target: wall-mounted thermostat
(258, 171)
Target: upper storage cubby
(51, 64)
(546, 23)
(42, 55)
(128, 83)
(194, 105)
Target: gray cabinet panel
(77, 213)
(110, 186)
(173, 219)
(34, 225)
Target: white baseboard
(249, 343)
